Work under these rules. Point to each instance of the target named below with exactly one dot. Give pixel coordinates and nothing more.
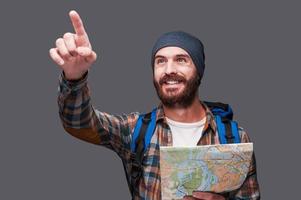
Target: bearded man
(182, 119)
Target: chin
(172, 91)
(172, 95)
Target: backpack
(227, 132)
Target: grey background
(253, 62)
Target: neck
(193, 113)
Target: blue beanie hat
(186, 41)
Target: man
(182, 119)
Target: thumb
(86, 52)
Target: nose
(170, 67)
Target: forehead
(171, 51)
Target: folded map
(212, 168)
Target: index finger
(77, 23)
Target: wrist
(74, 79)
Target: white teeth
(172, 82)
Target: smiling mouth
(172, 86)
(172, 82)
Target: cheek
(189, 72)
(157, 75)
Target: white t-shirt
(186, 134)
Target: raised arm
(73, 53)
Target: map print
(214, 168)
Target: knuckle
(58, 41)
(51, 51)
(70, 45)
(67, 35)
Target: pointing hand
(73, 52)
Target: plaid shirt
(81, 120)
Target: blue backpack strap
(226, 127)
(136, 132)
(141, 138)
(150, 129)
(221, 130)
(150, 124)
(227, 130)
(235, 132)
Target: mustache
(171, 77)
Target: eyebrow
(183, 55)
(178, 55)
(159, 56)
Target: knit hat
(186, 41)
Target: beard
(185, 98)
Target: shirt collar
(210, 122)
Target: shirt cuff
(72, 86)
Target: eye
(160, 60)
(181, 60)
